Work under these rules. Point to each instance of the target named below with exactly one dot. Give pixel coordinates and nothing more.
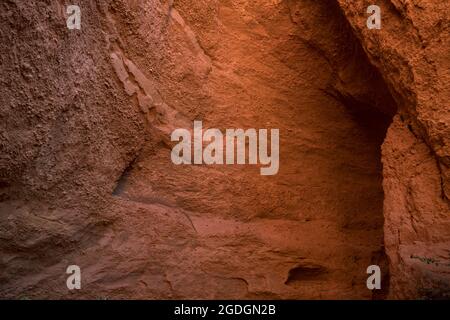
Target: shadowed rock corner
(85, 170)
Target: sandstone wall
(410, 51)
(85, 175)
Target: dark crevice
(305, 273)
(122, 181)
(360, 87)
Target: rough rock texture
(412, 52)
(86, 176)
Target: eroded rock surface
(86, 176)
(411, 51)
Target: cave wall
(67, 133)
(86, 115)
(410, 52)
(67, 126)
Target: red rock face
(408, 51)
(86, 176)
